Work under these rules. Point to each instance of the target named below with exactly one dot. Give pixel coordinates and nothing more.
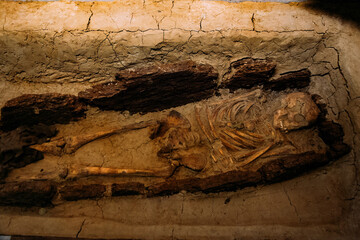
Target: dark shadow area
(345, 9)
(53, 238)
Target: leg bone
(68, 145)
(74, 172)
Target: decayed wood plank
(29, 193)
(48, 109)
(248, 72)
(295, 79)
(154, 88)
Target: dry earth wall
(66, 47)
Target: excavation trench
(108, 104)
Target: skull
(297, 111)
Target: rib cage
(232, 146)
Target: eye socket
(299, 118)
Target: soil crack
(3, 28)
(253, 21)
(89, 21)
(100, 207)
(81, 227)
(113, 48)
(291, 204)
(202, 18)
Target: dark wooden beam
(154, 88)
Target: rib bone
(211, 123)
(230, 143)
(202, 126)
(255, 155)
(243, 142)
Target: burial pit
(179, 119)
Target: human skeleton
(229, 137)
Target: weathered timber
(247, 73)
(73, 192)
(274, 170)
(231, 180)
(31, 109)
(126, 189)
(332, 134)
(296, 79)
(154, 88)
(31, 193)
(14, 146)
(291, 166)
